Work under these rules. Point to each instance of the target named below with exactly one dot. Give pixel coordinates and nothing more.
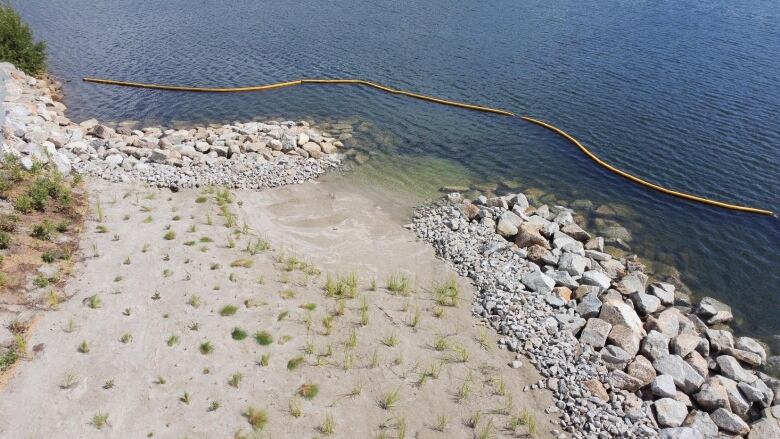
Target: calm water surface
(684, 93)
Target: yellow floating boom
(436, 100)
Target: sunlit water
(683, 93)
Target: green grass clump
(228, 310)
(43, 231)
(399, 284)
(342, 286)
(263, 338)
(390, 399)
(257, 418)
(5, 240)
(17, 45)
(245, 263)
(328, 426)
(170, 235)
(94, 302)
(238, 334)
(294, 363)
(100, 420)
(446, 293)
(206, 348)
(235, 379)
(308, 391)
(308, 306)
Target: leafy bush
(5, 240)
(43, 231)
(17, 45)
(24, 204)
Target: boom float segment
(447, 102)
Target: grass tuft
(257, 418)
(390, 399)
(263, 338)
(446, 293)
(399, 284)
(100, 420)
(228, 310)
(206, 348)
(295, 363)
(238, 334)
(308, 391)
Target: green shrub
(5, 240)
(24, 204)
(8, 223)
(43, 231)
(17, 45)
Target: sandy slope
(335, 229)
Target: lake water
(683, 93)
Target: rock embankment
(250, 155)
(625, 356)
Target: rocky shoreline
(251, 155)
(625, 356)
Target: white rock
(670, 412)
(663, 386)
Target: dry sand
(146, 287)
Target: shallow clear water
(683, 93)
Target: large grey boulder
(61, 163)
(159, 156)
(667, 322)
(563, 278)
(767, 428)
(729, 422)
(634, 282)
(642, 370)
(589, 306)
(645, 303)
(576, 232)
(751, 345)
(737, 401)
(663, 291)
(757, 392)
(680, 433)
(625, 338)
(615, 357)
(538, 281)
(574, 264)
(701, 422)
(669, 412)
(749, 358)
(506, 228)
(103, 132)
(595, 332)
(712, 396)
(685, 377)
(714, 311)
(621, 380)
(686, 343)
(655, 345)
(529, 234)
(663, 386)
(720, 339)
(618, 313)
(730, 368)
(595, 278)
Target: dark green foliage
(17, 45)
(43, 231)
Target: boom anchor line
(450, 103)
